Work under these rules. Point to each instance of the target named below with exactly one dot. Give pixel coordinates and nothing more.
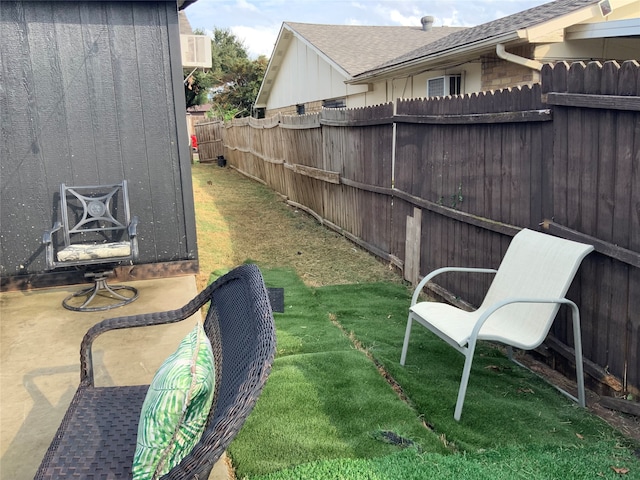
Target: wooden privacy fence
(449, 181)
(210, 144)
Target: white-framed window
(445, 85)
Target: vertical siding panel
(49, 91)
(25, 171)
(82, 148)
(160, 227)
(101, 92)
(128, 87)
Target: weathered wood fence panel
(210, 143)
(467, 173)
(358, 146)
(469, 157)
(596, 191)
(301, 139)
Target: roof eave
(182, 4)
(530, 34)
(269, 72)
(273, 63)
(467, 49)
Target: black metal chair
(95, 232)
(97, 437)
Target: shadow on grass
(324, 399)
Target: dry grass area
(239, 219)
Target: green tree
(226, 51)
(197, 85)
(240, 89)
(233, 81)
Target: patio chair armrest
(47, 241)
(48, 234)
(135, 321)
(434, 273)
(508, 301)
(133, 226)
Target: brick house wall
(498, 74)
(309, 107)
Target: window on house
(335, 103)
(300, 109)
(445, 85)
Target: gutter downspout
(510, 57)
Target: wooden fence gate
(210, 144)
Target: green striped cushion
(175, 410)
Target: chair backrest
(240, 325)
(98, 213)
(536, 265)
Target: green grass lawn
(327, 411)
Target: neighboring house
(92, 93)
(503, 53)
(311, 65)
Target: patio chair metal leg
(464, 381)
(112, 290)
(103, 289)
(405, 345)
(577, 345)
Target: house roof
(199, 109)
(182, 4)
(507, 28)
(357, 48)
(183, 23)
(350, 49)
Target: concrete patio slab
(40, 365)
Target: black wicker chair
(97, 436)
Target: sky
(257, 22)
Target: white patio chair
(518, 309)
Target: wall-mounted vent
(445, 85)
(196, 51)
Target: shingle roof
(486, 31)
(357, 48)
(183, 23)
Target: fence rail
(449, 181)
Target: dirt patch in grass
(239, 219)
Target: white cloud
(453, 20)
(404, 13)
(404, 20)
(245, 5)
(257, 40)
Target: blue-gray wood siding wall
(91, 93)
